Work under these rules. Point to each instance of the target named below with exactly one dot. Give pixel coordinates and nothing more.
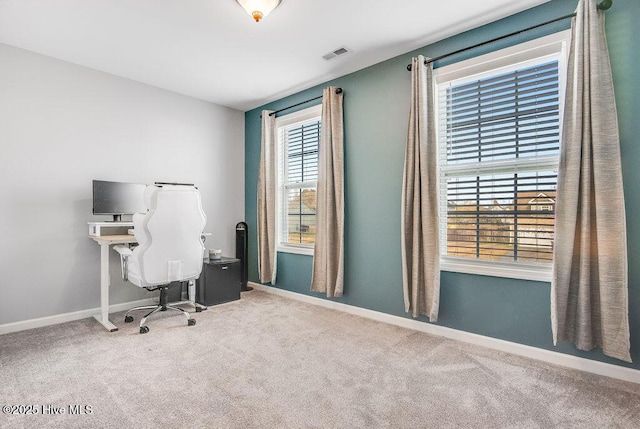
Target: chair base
(162, 306)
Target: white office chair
(169, 247)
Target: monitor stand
(116, 218)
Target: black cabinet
(219, 281)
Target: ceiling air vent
(336, 53)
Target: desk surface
(114, 239)
(123, 239)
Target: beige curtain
(420, 242)
(328, 259)
(267, 183)
(589, 287)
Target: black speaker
(242, 253)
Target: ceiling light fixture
(258, 9)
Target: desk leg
(103, 317)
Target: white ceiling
(212, 49)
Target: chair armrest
(124, 252)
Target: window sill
(521, 271)
(299, 250)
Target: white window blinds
(299, 169)
(499, 139)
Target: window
(298, 140)
(499, 119)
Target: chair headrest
(151, 193)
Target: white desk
(105, 243)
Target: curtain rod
(604, 5)
(338, 91)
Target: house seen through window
(298, 140)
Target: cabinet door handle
(226, 267)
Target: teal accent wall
(376, 109)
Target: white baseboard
(68, 317)
(556, 358)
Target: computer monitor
(118, 198)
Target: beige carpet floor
(271, 362)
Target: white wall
(62, 125)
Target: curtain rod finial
(605, 4)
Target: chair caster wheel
(198, 310)
(191, 322)
(144, 329)
(128, 319)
